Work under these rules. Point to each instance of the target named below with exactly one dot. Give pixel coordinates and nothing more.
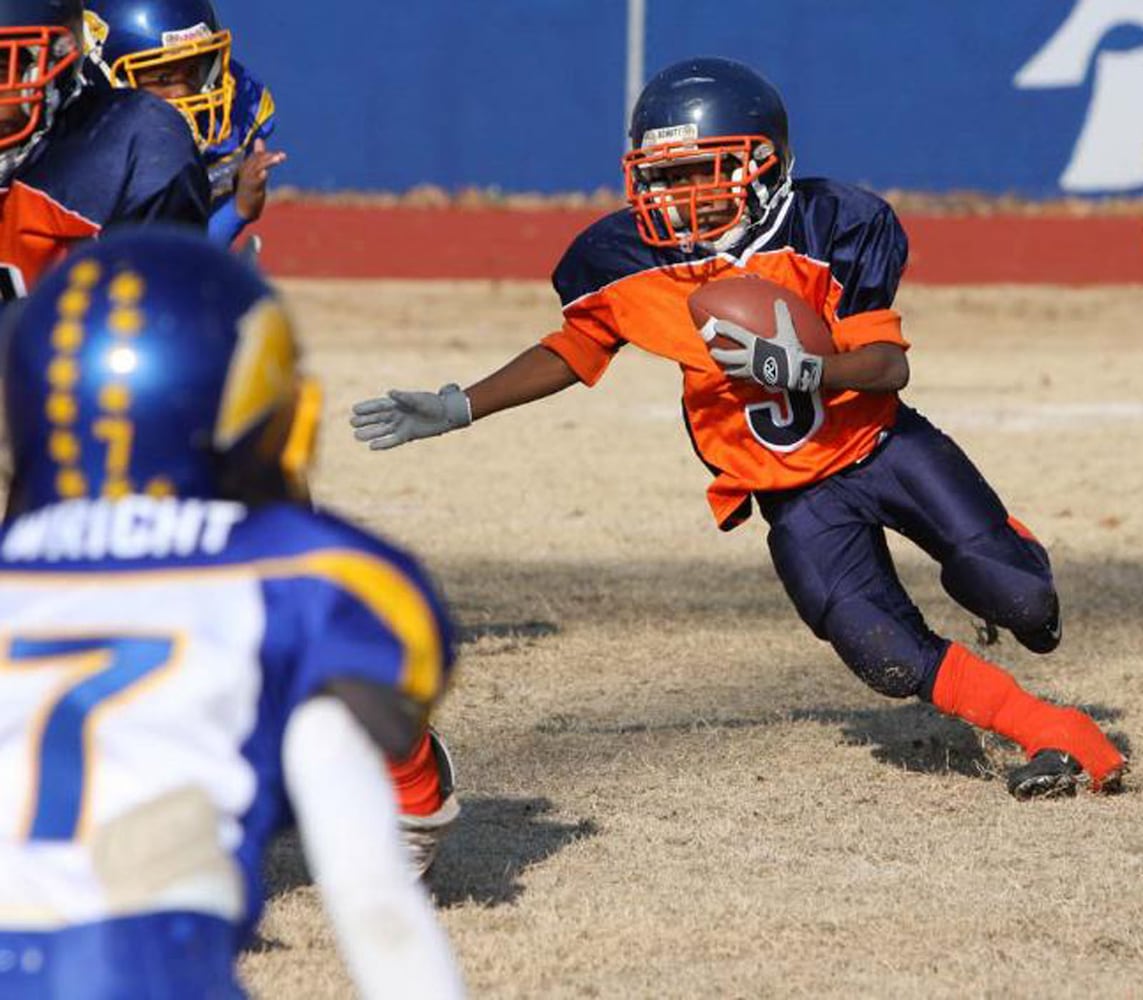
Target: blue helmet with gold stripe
(153, 362)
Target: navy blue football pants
(828, 545)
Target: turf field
(670, 788)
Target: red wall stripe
(323, 240)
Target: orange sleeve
(587, 341)
(878, 326)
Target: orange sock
(417, 781)
(988, 696)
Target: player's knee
(1006, 586)
(895, 658)
(1044, 630)
(1035, 608)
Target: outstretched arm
(534, 374)
(400, 416)
(347, 815)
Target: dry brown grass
(678, 791)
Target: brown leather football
(749, 301)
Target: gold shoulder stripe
(390, 596)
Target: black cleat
(1051, 774)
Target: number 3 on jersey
(787, 421)
(98, 672)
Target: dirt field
(670, 788)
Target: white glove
(401, 416)
(774, 363)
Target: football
(749, 301)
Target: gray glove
(779, 362)
(406, 416)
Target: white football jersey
(151, 652)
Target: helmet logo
(261, 373)
(763, 151)
(671, 133)
(95, 30)
(199, 31)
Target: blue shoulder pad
(121, 156)
(609, 249)
(342, 603)
(858, 234)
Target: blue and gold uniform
(251, 118)
(179, 50)
(168, 599)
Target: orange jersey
(35, 232)
(839, 248)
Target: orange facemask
(31, 59)
(670, 212)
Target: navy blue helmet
(152, 362)
(39, 66)
(137, 43)
(710, 152)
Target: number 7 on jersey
(99, 672)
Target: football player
(189, 654)
(178, 50)
(74, 161)
(827, 452)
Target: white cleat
(423, 834)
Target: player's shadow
(916, 737)
(493, 842)
(480, 860)
(913, 736)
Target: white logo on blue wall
(1108, 155)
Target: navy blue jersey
(839, 248)
(111, 158)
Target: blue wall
(528, 95)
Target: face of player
(711, 214)
(174, 80)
